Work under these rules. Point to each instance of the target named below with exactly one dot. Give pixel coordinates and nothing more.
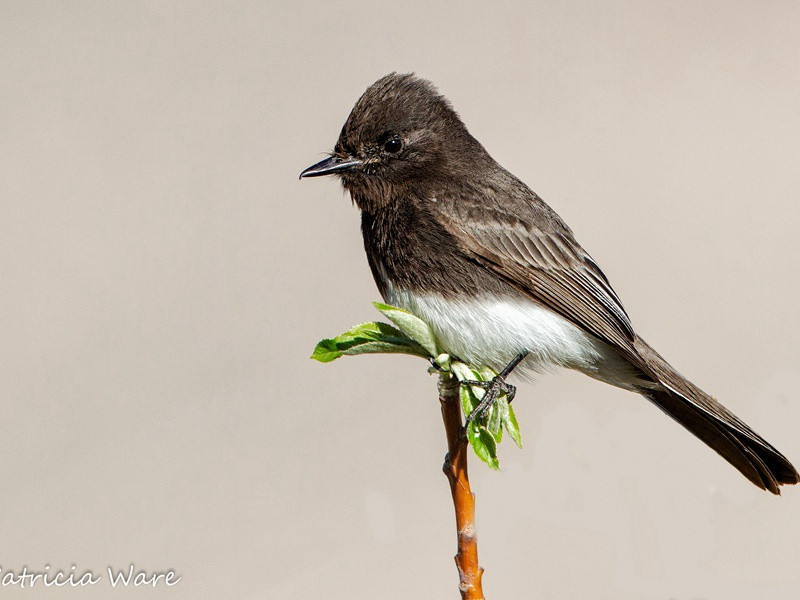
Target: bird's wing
(545, 262)
(550, 266)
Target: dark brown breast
(409, 247)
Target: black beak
(334, 164)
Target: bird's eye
(393, 145)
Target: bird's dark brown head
(401, 132)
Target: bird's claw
(493, 389)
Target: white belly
(491, 331)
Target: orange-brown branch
(455, 467)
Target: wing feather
(551, 267)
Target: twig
(455, 467)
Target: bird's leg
(493, 388)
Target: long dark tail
(723, 431)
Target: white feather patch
(491, 331)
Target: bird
(460, 242)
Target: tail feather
(714, 424)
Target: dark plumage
(458, 240)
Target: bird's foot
(493, 389)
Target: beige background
(165, 277)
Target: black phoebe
(460, 242)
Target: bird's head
(400, 133)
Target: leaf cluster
(413, 336)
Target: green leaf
(468, 394)
(512, 427)
(367, 338)
(468, 399)
(483, 444)
(463, 371)
(326, 351)
(413, 326)
(495, 421)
